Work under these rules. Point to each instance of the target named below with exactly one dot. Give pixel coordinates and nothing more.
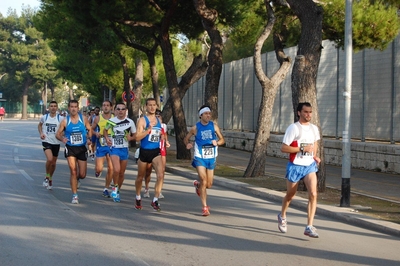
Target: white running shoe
(50, 185)
(282, 224)
(161, 196)
(46, 182)
(146, 193)
(311, 231)
(75, 199)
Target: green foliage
(25, 56)
(375, 23)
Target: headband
(203, 110)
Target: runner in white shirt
(301, 142)
(123, 130)
(48, 126)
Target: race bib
(51, 128)
(102, 141)
(119, 141)
(76, 138)
(304, 154)
(207, 152)
(154, 136)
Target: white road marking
(25, 175)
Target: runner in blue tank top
(149, 134)
(208, 137)
(75, 132)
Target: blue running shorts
(295, 173)
(207, 163)
(122, 153)
(102, 151)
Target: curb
(346, 215)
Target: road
(41, 227)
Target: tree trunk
(127, 86)
(305, 69)
(208, 18)
(197, 70)
(172, 81)
(137, 89)
(44, 98)
(154, 75)
(27, 84)
(256, 166)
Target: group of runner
(113, 132)
(109, 133)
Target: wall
(375, 114)
(382, 157)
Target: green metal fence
(16, 108)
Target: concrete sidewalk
(373, 184)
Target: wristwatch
(301, 149)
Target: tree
(209, 17)
(160, 19)
(305, 68)
(25, 54)
(256, 166)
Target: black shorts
(79, 152)
(147, 156)
(55, 148)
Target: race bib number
(304, 154)
(51, 128)
(76, 138)
(208, 152)
(119, 141)
(154, 136)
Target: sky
(17, 5)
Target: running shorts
(79, 152)
(147, 156)
(207, 163)
(55, 148)
(102, 151)
(295, 173)
(122, 153)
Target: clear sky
(17, 5)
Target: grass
(376, 208)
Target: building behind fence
(374, 104)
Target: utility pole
(346, 136)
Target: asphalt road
(41, 227)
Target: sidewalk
(373, 184)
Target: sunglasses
(121, 109)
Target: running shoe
(205, 211)
(97, 174)
(282, 224)
(78, 183)
(50, 185)
(46, 182)
(146, 193)
(75, 199)
(196, 184)
(113, 194)
(138, 205)
(106, 194)
(155, 205)
(161, 196)
(117, 198)
(311, 231)
(92, 156)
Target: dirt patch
(379, 209)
